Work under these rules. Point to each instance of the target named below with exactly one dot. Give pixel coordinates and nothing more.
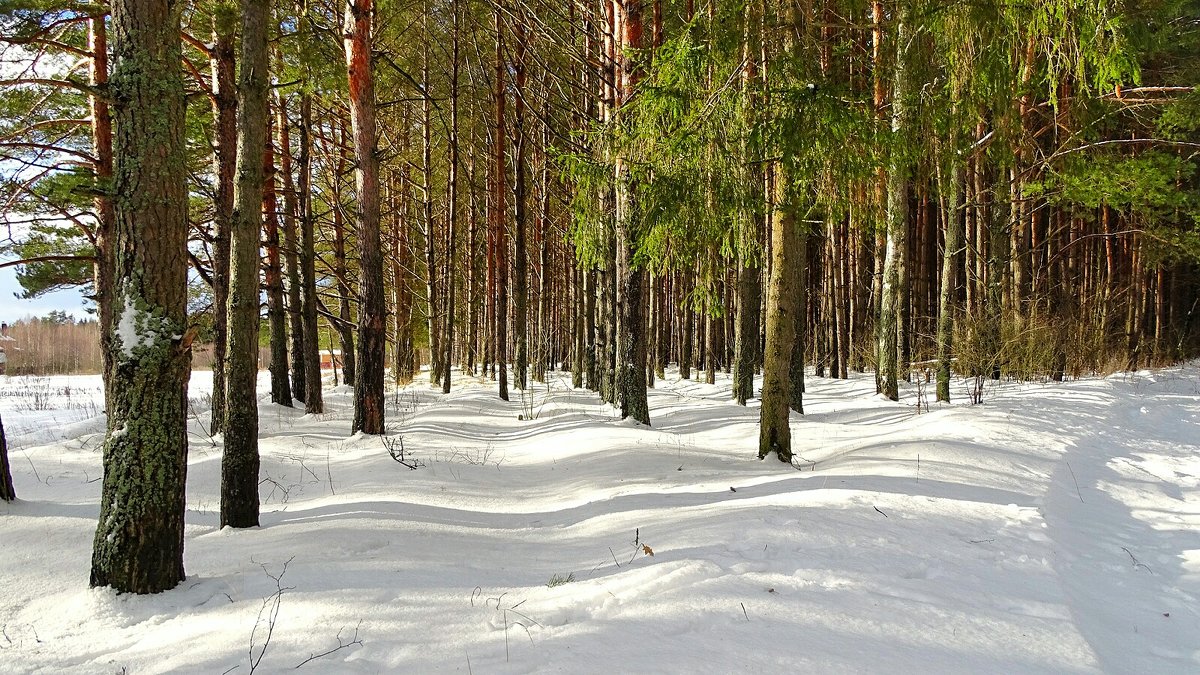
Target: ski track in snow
(1052, 529)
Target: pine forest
(928, 204)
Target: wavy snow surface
(1052, 529)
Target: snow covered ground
(1054, 528)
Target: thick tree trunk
(225, 161)
(138, 545)
(290, 252)
(281, 390)
(630, 280)
(775, 434)
(240, 464)
(314, 401)
(372, 311)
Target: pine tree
(240, 462)
(138, 546)
(372, 313)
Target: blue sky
(12, 308)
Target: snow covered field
(1055, 528)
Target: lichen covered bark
(138, 545)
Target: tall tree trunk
(897, 220)
(544, 335)
(520, 268)
(749, 284)
(138, 545)
(240, 464)
(800, 327)
(402, 366)
(102, 203)
(579, 327)
(710, 335)
(225, 160)
(314, 401)
(452, 207)
(470, 349)
(591, 366)
(997, 265)
(685, 315)
(950, 179)
(290, 252)
(432, 314)
(343, 324)
(774, 434)
(281, 391)
(499, 213)
(631, 321)
(372, 311)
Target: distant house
(6, 340)
(330, 358)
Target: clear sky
(12, 308)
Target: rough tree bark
(314, 401)
(785, 313)
(7, 492)
(372, 311)
(225, 166)
(291, 255)
(897, 222)
(240, 463)
(631, 333)
(138, 545)
(775, 435)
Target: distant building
(331, 358)
(4, 338)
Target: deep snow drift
(1054, 528)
